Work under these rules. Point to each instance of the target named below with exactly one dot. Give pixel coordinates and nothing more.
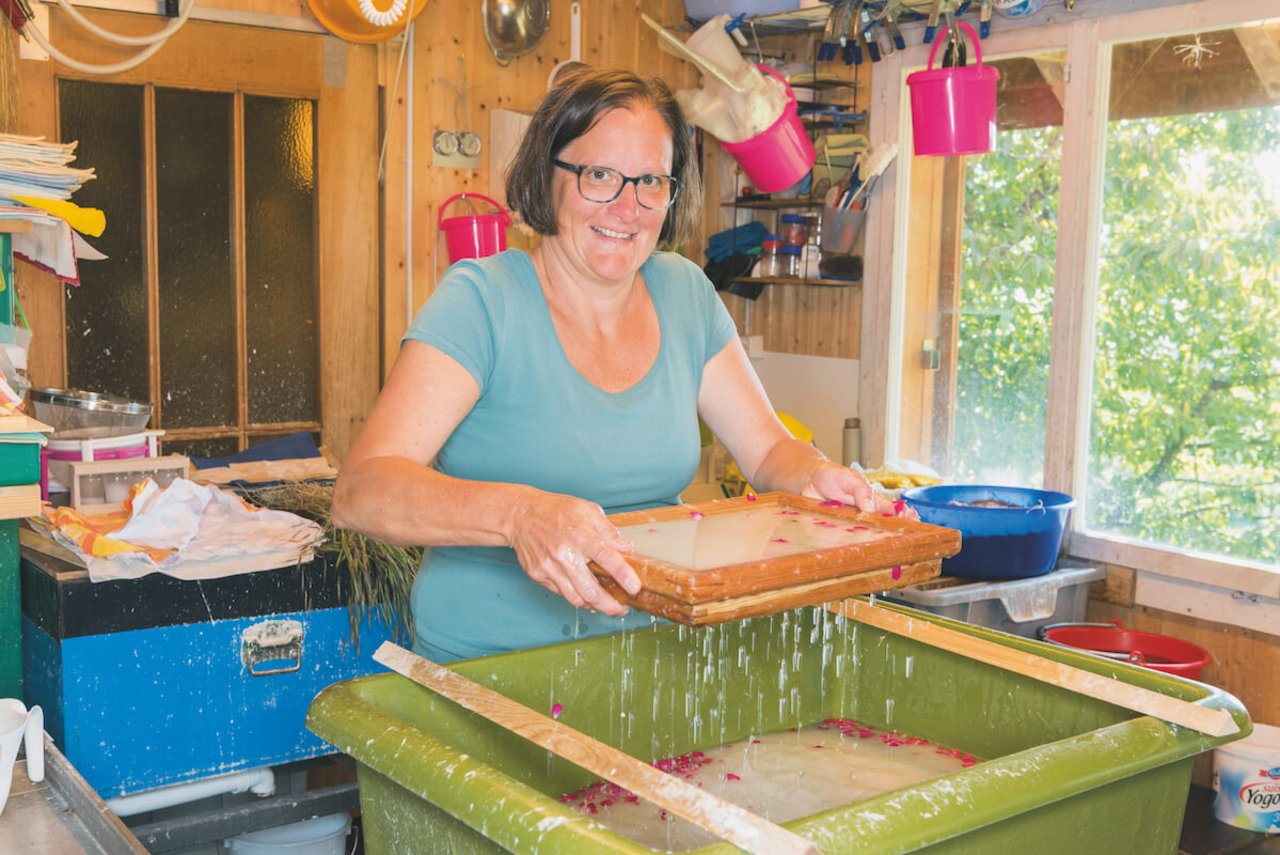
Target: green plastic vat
(1062, 774)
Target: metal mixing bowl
(514, 27)
(79, 414)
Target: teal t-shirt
(539, 422)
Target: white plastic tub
(1016, 606)
(1246, 781)
(324, 835)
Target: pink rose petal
(897, 572)
(556, 709)
(779, 540)
(696, 515)
(751, 497)
(831, 503)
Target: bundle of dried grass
(380, 575)
(8, 76)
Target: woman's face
(609, 241)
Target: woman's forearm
(788, 467)
(401, 502)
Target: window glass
(107, 337)
(1185, 407)
(976, 372)
(280, 257)
(196, 259)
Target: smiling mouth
(609, 233)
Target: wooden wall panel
(348, 150)
(925, 262)
(39, 293)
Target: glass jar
(791, 263)
(770, 264)
(795, 230)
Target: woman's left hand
(833, 482)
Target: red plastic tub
(1149, 649)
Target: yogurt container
(1246, 781)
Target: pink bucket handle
(973, 37)
(791, 96)
(506, 220)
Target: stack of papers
(35, 184)
(29, 166)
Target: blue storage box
(154, 681)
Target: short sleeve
(461, 319)
(720, 326)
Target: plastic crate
(1016, 606)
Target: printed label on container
(1248, 796)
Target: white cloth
(214, 532)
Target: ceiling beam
(1262, 47)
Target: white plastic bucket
(1246, 781)
(324, 835)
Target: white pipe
(261, 782)
(408, 183)
(111, 68)
(149, 39)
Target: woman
(537, 392)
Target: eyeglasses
(602, 184)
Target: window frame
(342, 80)
(1086, 39)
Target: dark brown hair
(572, 107)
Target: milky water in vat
(780, 776)
(715, 683)
(721, 540)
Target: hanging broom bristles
(380, 575)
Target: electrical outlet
(456, 149)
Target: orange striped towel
(91, 532)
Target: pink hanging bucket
(779, 156)
(953, 110)
(476, 235)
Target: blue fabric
(291, 447)
(743, 238)
(539, 422)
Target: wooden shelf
(794, 280)
(773, 204)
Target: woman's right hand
(554, 536)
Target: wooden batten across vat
(733, 558)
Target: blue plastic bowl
(996, 542)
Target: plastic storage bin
(1018, 606)
(701, 10)
(1060, 772)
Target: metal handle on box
(272, 641)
